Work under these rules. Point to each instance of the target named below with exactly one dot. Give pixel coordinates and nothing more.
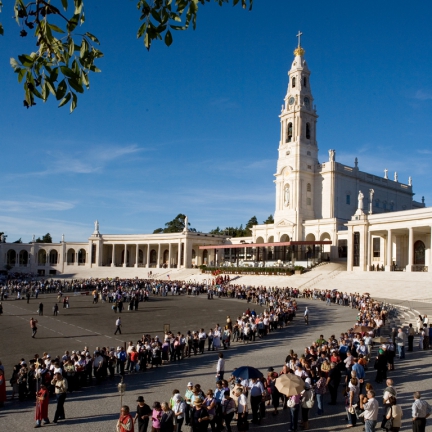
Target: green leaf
(71, 47)
(55, 28)
(73, 22)
(68, 72)
(26, 60)
(1, 29)
(74, 102)
(61, 90)
(21, 74)
(92, 37)
(50, 87)
(168, 38)
(65, 4)
(76, 85)
(65, 100)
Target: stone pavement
(98, 407)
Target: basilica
(323, 211)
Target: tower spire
(299, 51)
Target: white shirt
(220, 367)
(242, 404)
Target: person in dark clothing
(143, 414)
(333, 381)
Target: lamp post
(121, 388)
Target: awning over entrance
(259, 245)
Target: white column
(179, 255)
(136, 255)
(113, 256)
(169, 255)
(389, 250)
(158, 256)
(148, 256)
(350, 249)
(125, 256)
(409, 267)
(188, 253)
(369, 250)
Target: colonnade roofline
(290, 243)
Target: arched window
(82, 256)
(205, 256)
(308, 201)
(304, 82)
(289, 132)
(153, 256)
(419, 252)
(309, 187)
(11, 257)
(293, 82)
(308, 134)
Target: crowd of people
(326, 366)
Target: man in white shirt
(242, 409)
(371, 407)
(220, 368)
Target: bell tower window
(308, 134)
(293, 82)
(289, 132)
(304, 82)
(309, 187)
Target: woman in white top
(394, 412)
(352, 399)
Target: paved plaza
(98, 407)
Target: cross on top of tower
(299, 51)
(299, 35)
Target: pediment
(283, 223)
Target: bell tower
(298, 151)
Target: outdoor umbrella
(247, 372)
(361, 329)
(380, 339)
(290, 384)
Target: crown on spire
(299, 51)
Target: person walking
(55, 309)
(220, 368)
(40, 309)
(371, 407)
(61, 386)
(118, 324)
(394, 414)
(142, 415)
(42, 402)
(400, 341)
(411, 333)
(125, 423)
(306, 316)
(33, 326)
(421, 410)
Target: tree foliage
(237, 231)
(174, 226)
(45, 239)
(269, 220)
(64, 59)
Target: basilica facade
(323, 210)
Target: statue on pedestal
(96, 226)
(332, 155)
(386, 173)
(186, 224)
(396, 176)
(360, 201)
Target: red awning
(255, 245)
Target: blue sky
(194, 128)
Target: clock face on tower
(307, 102)
(291, 100)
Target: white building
(322, 210)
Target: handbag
(291, 403)
(388, 423)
